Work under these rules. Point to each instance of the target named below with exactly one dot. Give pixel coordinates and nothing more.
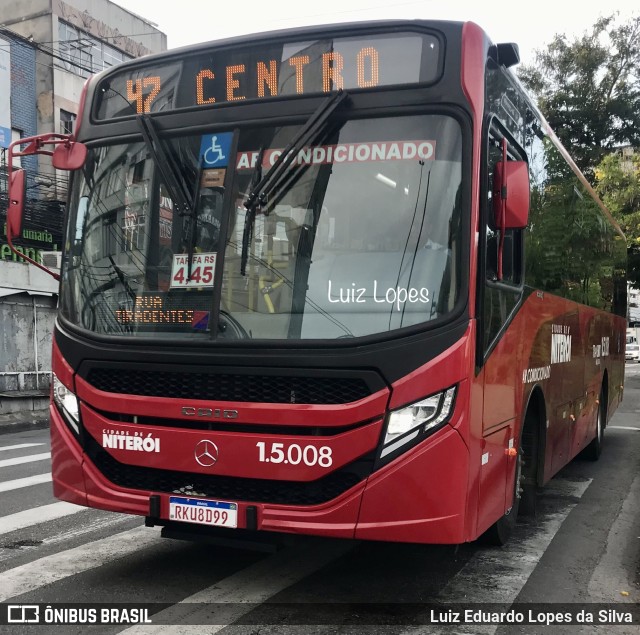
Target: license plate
(203, 512)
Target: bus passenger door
(500, 341)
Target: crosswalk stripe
(514, 563)
(64, 564)
(37, 515)
(262, 580)
(19, 483)
(244, 589)
(19, 460)
(19, 446)
(96, 521)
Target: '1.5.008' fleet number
(294, 454)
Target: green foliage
(568, 250)
(589, 89)
(570, 246)
(618, 184)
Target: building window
(67, 121)
(76, 49)
(85, 54)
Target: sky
(531, 25)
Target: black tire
(529, 447)
(528, 499)
(593, 451)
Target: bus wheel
(529, 447)
(594, 449)
(498, 534)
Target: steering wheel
(230, 329)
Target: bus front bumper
(419, 497)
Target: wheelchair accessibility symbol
(215, 149)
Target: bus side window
(500, 296)
(513, 238)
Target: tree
(618, 184)
(589, 89)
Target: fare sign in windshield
(270, 69)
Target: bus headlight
(416, 420)
(67, 403)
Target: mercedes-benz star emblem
(206, 453)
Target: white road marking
(622, 428)
(257, 583)
(100, 521)
(103, 520)
(19, 460)
(37, 515)
(511, 566)
(251, 586)
(20, 446)
(39, 573)
(19, 483)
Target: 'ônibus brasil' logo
(124, 440)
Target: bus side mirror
(511, 187)
(69, 156)
(17, 194)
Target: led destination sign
(160, 310)
(270, 70)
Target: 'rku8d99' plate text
(203, 512)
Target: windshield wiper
(259, 195)
(250, 214)
(173, 180)
(123, 279)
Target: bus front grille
(230, 488)
(255, 388)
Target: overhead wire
(49, 50)
(60, 68)
(103, 37)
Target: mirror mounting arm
(66, 154)
(503, 207)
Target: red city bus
(340, 280)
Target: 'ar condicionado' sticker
(345, 153)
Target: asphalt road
(582, 548)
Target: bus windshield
(360, 236)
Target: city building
(47, 50)
(633, 314)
